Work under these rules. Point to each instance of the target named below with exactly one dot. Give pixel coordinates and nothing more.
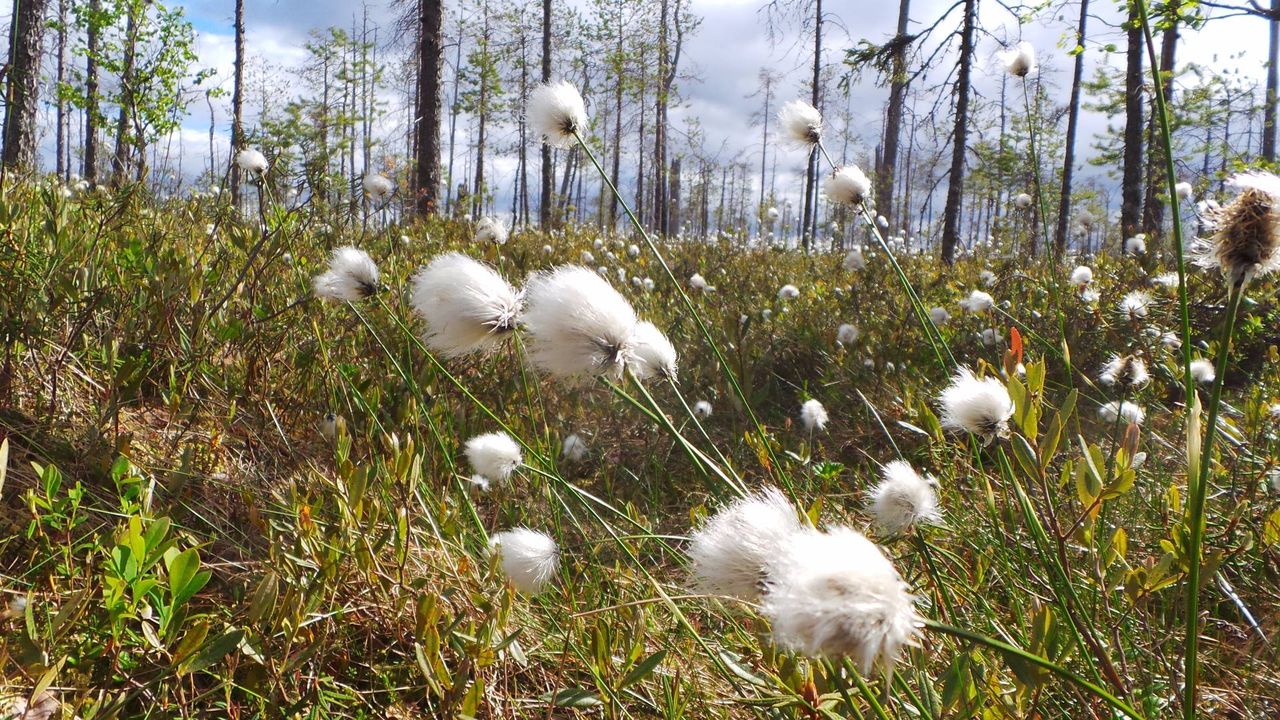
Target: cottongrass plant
(352, 276)
(530, 559)
(835, 594)
(467, 306)
(730, 553)
(1081, 276)
(573, 449)
(494, 457)
(813, 416)
(978, 302)
(491, 231)
(1116, 410)
(979, 406)
(578, 325)
(903, 499)
(252, 161)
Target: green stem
(1015, 652)
(693, 311)
(1195, 512)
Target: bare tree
(26, 40)
(427, 113)
(1273, 84)
(90, 170)
(544, 204)
(1073, 121)
(237, 103)
(955, 181)
(1131, 173)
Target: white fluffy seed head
(491, 230)
(702, 409)
(980, 406)
(556, 113)
(1125, 370)
(978, 302)
(1135, 245)
(653, 354)
(1135, 305)
(1082, 275)
(1202, 370)
(788, 292)
(848, 185)
(378, 186)
(853, 260)
(903, 499)
(468, 307)
(493, 456)
(578, 325)
(835, 594)
(847, 334)
(729, 554)
(939, 316)
(699, 283)
(1113, 411)
(251, 160)
(987, 278)
(1184, 190)
(530, 559)
(352, 275)
(574, 449)
(772, 213)
(1022, 200)
(813, 415)
(1019, 60)
(801, 124)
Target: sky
(723, 58)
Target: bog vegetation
(329, 459)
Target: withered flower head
(1246, 232)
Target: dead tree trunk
(1131, 172)
(237, 104)
(1073, 120)
(893, 115)
(955, 184)
(26, 39)
(427, 120)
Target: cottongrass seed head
(1112, 412)
(250, 160)
(1135, 245)
(1125, 370)
(578, 325)
(801, 123)
(1246, 232)
(653, 355)
(1019, 60)
(557, 113)
(729, 554)
(467, 305)
(352, 276)
(903, 499)
(1022, 201)
(1202, 370)
(788, 292)
(1135, 305)
(980, 406)
(847, 334)
(378, 186)
(494, 456)
(1082, 275)
(939, 316)
(574, 449)
(699, 283)
(491, 230)
(848, 185)
(530, 559)
(978, 302)
(853, 260)
(835, 594)
(702, 409)
(813, 415)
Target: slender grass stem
(1195, 510)
(1024, 656)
